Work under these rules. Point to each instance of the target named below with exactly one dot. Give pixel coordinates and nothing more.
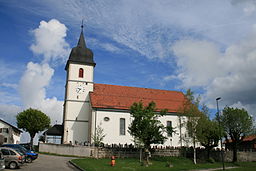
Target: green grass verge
(131, 164)
(245, 166)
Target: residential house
(9, 133)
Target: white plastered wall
(74, 70)
(15, 136)
(112, 127)
(77, 105)
(77, 132)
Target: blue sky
(208, 46)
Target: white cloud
(110, 47)
(6, 70)
(8, 112)
(107, 46)
(50, 41)
(8, 97)
(198, 61)
(32, 89)
(149, 27)
(213, 57)
(33, 83)
(248, 6)
(229, 73)
(9, 85)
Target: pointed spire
(81, 54)
(81, 41)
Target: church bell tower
(79, 82)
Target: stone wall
(82, 151)
(241, 156)
(228, 155)
(126, 152)
(133, 152)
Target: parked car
(2, 160)
(13, 159)
(27, 146)
(30, 155)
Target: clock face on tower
(80, 88)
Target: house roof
(56, 130)
(247, 138)
(122, 97)
(13, 127)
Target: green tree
(191, 111)
(207, 131)
(237, 123)
(145, 127)
(98, 136)
(32, 121)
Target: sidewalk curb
(213, 169)
(79, 168)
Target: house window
(81, 73)
(5, 130)
(5, 140)
(122, 126)
(169, 124)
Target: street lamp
(218, 116)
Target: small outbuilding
(248, 144)
(54, 134)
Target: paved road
(48, 163)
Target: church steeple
(81, 41)
(81, 54)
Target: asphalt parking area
(48, 163)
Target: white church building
(88, 104)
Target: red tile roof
(247, 138)
(122, 97)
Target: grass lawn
(245, 166)
(131, 164)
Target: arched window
(81, 73)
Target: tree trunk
(208, 153)
(234, 152)
(31, 139)
(194, 150)
(180, 131)
(147, 155)
(140, 155)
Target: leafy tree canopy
(146, 127)
(33, 121)
(237, 123)
(207, 131)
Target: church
(89, 105)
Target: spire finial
(81, 42)
(82, 26)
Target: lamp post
(218, 115)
